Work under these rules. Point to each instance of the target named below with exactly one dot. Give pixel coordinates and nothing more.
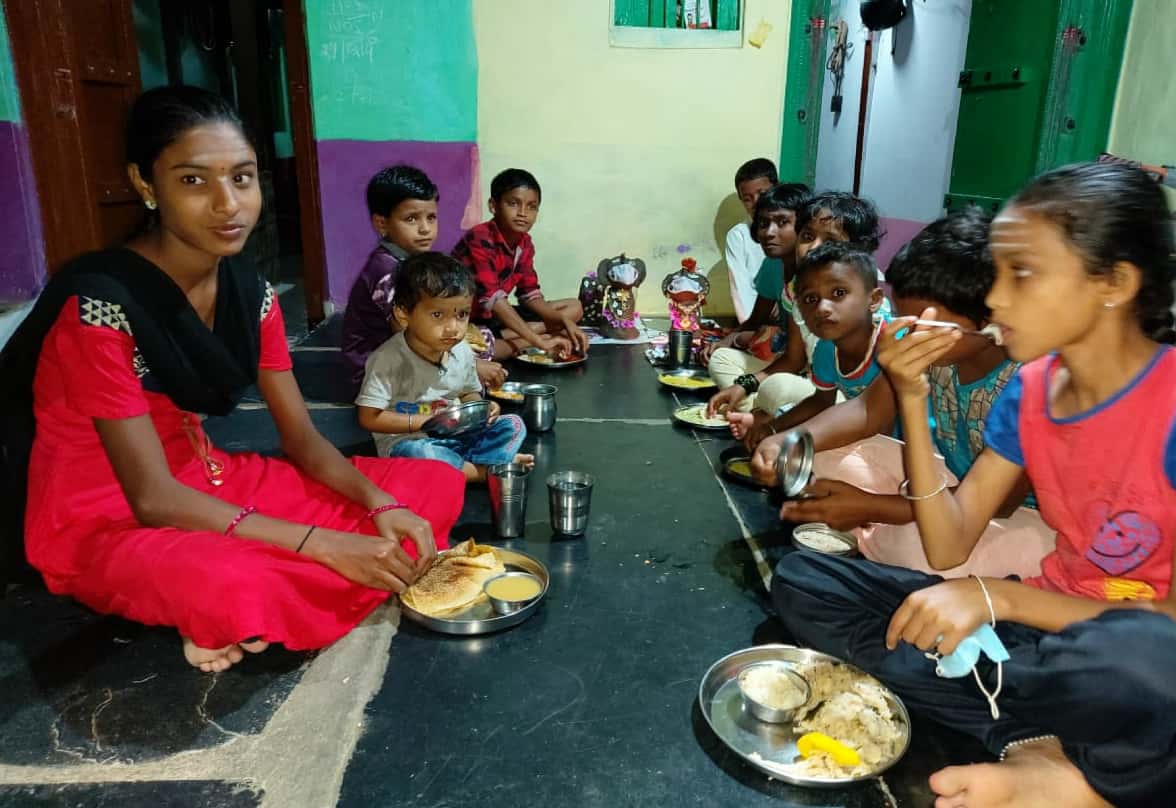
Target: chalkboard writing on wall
(403, 70)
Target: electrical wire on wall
(842, 51)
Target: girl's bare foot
(473, 474)
(212, 660)
(1033, 775)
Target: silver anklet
(1025, 742)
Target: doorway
(81, 63)
(254, 54)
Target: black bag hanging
(877, 15)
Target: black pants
(1106, 687)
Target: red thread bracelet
(248, 509)
(394, 506)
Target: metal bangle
(905, 485)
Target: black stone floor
(593, 701)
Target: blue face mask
(963, 659)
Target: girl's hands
(495, 411)
(837, 504)
(369, 560)
(402, 523)
(726, 399)
(906, 359)
(939, 617)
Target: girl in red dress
(130, 509)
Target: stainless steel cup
(539, 406)
(508, 498)
(681, 347)
(569, 496)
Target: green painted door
(1004, 83)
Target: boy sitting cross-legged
(428, 366)
(402, 202)
(947, 266)
(501, 256)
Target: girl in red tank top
(1083, 296)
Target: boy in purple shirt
(402, 201)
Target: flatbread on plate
(455, 579)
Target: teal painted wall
(395, 71)
(9, 94)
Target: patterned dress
(83, 537)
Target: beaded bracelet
(748, 382)
(248, 509)
(1024, 742)
(392, 506)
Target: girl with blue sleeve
(1078, 705)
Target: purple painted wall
(22, 259)
(898, 233)
(345, 166)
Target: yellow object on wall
(636, 149)
(1144, 126)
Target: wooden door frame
(48, 82)
(310, 217)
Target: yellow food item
(513, 587)
(812, 742)
(685, 382)
(740, 468)
(509, 395)
(537, 358)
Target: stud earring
(150, 204)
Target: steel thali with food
(480, 617)
(771, 748)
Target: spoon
(991, 331)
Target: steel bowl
(501, 606)
(458, 419)
(765, 712)
(794, 465)
(820, 538)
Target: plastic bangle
(248, 509)
(392, 506)
(905, 485)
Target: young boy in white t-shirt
(428, 366)
(744, 255)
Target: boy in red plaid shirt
(501, 255)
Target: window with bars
(676, 24)
(718, 15)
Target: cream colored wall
(636, 149)
(1144, 125)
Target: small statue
(687, 290)
(609, 299)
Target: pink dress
(81, 534)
